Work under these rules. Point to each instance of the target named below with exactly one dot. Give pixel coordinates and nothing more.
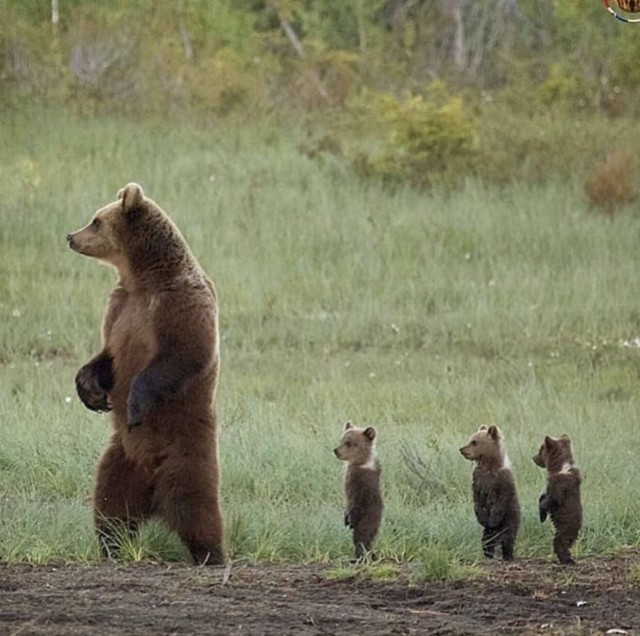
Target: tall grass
(424, 314)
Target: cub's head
(104, 236)
(554, 453)
(357, 445)
(484, 444)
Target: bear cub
(362, 485)
(495, 499)
(561, 500)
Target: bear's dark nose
(69, 238)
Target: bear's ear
(483, 428)
(370, 433)
(565, 440)
(132, 196)
(494, 432)
(348, 425)
(549, 442)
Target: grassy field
(423, 314)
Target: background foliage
(398, 202)
(534, 88)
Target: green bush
(422, 139)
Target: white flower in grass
(16, 313)
(67, 399)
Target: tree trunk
(457, 49)
(184, 32)
(55, 13)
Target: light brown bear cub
(495, 499)
(561, 500)
(158, 372)
(362, 485)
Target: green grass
(424, 314)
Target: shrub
(422, 139)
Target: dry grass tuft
(611, 183)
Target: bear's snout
(72, 245)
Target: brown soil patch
(529, 597)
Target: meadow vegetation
(420, 215)
(423, 312)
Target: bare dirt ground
(529, 597)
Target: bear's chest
(133, 341)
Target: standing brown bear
(158, 372)
(561, 500)
(364, 507)
(495, 500)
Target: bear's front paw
(543, 507)
(136, 412)
(93, 396)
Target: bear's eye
(474, 443)
(348, 444)
(96, 224)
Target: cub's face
(356, 445)
(553, 449)
(97, 239)
(484, 443)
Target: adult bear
(158, 372)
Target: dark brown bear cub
(362, 485)
(495, 499)
(562, 497)
(157, 372)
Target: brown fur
(364, 505)
(495, 498)
(562, 497)
(158, 372)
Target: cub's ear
(549, 442)
(370, 433)
(348, 425)
(483, 428)
(132, 196)
(494, 432)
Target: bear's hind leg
(122, 499)
(490, 538)
(507, 547)
(187, 499)
(562, 547)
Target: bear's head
(132, 234)
(555, 454)
(102, 237)
(485, 445)
(357, 446)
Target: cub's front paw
(88, 387)
(543, 507)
